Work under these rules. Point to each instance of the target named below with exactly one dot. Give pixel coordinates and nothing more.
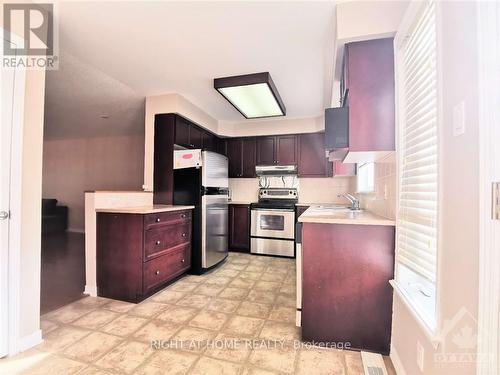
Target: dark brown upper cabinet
(235, 156)
(195, 137)
(280, 149)
(241, 153)
(367, 89)
(312, 157)
(265, 150)
(190, 135)
(222, 146)
(182, 132)
(286, 150)
(209, 141)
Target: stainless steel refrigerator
(201, 179)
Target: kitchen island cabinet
(140, 250)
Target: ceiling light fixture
(253, 95)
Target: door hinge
(495, 201)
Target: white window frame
(360, 187)
(431, 328)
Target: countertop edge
(143, 209)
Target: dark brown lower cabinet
(137, 254)
(239, 227)
(346, 293)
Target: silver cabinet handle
(157, 272)
(183, 216)
(183, 234)
(158, 242)
(4, 215)
(157, 219)
(182, 261)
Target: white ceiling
(162, 47)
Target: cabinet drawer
(166, 267)
(159, 239)
(162, 218)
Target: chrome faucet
(354, 201)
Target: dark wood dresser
(139, 253)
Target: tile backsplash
(383, 200)
(311, 190)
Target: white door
(6, 98)
(12, 83)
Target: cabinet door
(222, 146)
(209, 141)
(312, 157)
(249, 149)
(234, 154)
(265, 150)
(286, 150)
(182, 132)
(239, 227)
(370, 80)
(195, 137)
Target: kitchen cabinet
(239, 227)
(190, 135)
(286, 150)
(265, 150)
(346, 296)
(241, 153)
(138, 254)
(312, 160)
(344, 169)
(222, 146)
(235, 156)
(281, 149)
(195, 136)
(182, 127)
(209, 141)
(367, 86)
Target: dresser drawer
(166, 267)
(159, 239)
(163, 218)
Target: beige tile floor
(248, 300)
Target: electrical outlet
(420, 356)
(459, 119)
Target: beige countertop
(342, 216)
(145, 209)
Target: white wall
(73, 166)
(458, 261)
(271, 126)
(169, 103)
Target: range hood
(275, 170)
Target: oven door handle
(274, 209)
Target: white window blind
(418, 147)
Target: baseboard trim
(28, 342)
(75, 230)
(90, 290)
(396, 362)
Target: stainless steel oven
(273, 223)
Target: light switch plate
(459, 119)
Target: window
(417, 217)
(366, 178)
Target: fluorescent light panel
(253, 95)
